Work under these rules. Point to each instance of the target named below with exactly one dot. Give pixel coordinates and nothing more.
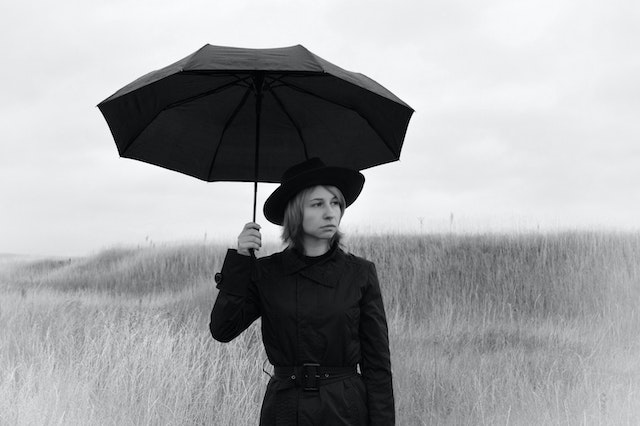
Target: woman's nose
(330, 211)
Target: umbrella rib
(226, 126)
(297, 127)
(181, 102)
(307, 92)
(205, 94)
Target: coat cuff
(235, 275)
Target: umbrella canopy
(235, 114)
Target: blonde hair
(292, 231)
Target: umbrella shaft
(258, 81)
(255, 199)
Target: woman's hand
(249, 238)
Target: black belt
(311, 376)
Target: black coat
(329, 313)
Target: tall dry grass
(485, 329)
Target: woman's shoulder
(271, 259)
(357, 260)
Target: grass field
(485, 329)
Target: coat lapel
(326, 273)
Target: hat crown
(311, 164)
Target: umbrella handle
(252, 251)
(255, 270)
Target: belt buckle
(310, 377)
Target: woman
(321, 308)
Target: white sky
(526, 115)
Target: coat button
(217, 278)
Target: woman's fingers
(251, 232)
(249, 238)
(251, 225)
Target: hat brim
(348, 181)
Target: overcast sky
(527, 115)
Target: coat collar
(327, 272)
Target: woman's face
(321, 214)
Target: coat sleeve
(376, 359)
(237, 304)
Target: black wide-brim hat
(307, 174)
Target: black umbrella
(234, 114)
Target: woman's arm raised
(237, 304)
